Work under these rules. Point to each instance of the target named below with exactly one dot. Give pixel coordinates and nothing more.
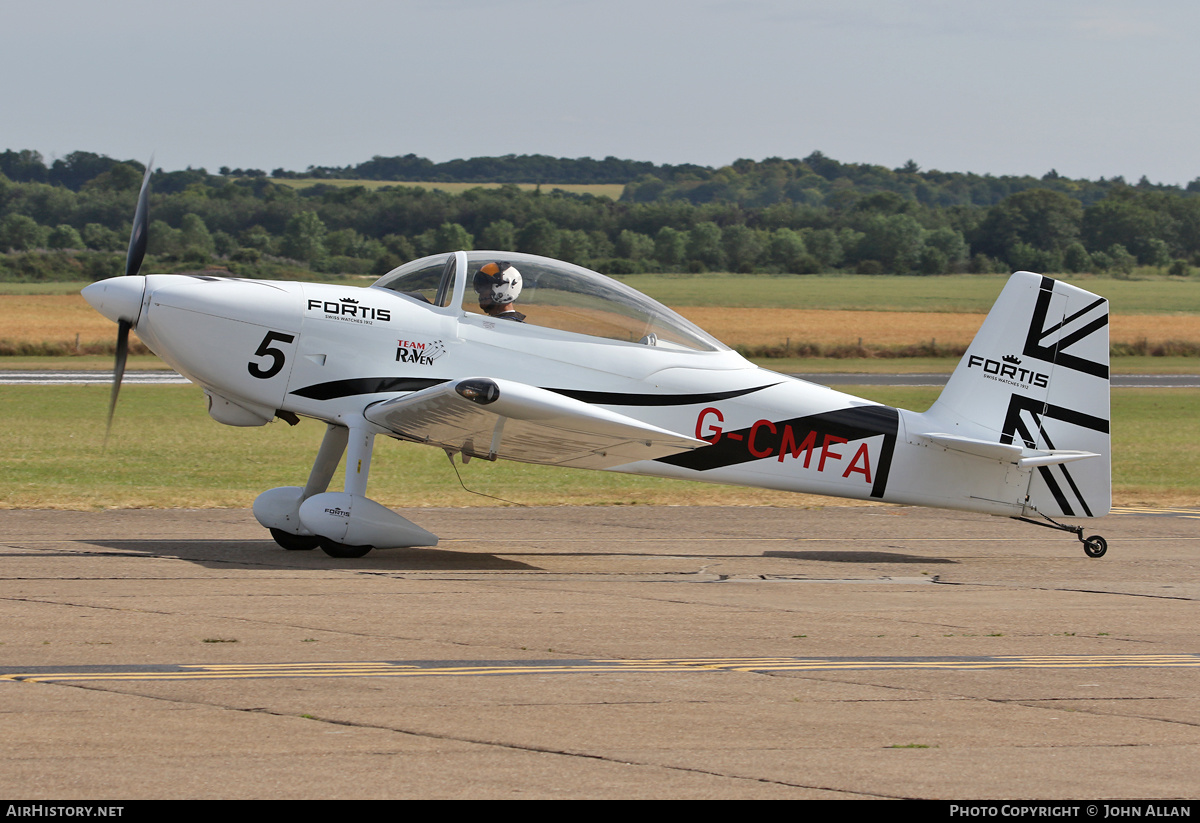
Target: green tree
(1156, 253)
(704, 250)
(197, 242)
(119, 177)
(28, 166)
(1041, 218)
(164, 241)
(950, 243)
(102, 238)
(224, 243)
(453, 237)
(825, 245)
(574, 246)
(500, 235)
(21, 233)
(258, 238)
(1076, 259)
(932, 260)
(1121, 260)
(634, 245)
(787, 252)
(538, 237)
(894, 240)
(1126, 220)
(744, 247)
(304, 239)
(63, 236)
(670, 248)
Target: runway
(640, 652)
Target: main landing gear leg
(1094, 546)
(333, 445)
(359, 444)
(279, 509)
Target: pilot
(498, 286)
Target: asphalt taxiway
(642, 652)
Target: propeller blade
(137, 238)
(133, 264)
(123, 328)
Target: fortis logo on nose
(347, 308)
(1009, 369)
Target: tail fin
(1036, 377)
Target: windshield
(555, 295)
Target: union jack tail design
(1037, 377)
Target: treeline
(70, 220)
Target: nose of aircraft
(118, 298)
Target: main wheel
(1095, 546)
(295, 542)
(341, 549)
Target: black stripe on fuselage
(365, 385)
(856, 423)
(612, 398)
(383, 385)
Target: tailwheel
(334, 549)
(1095, 546)
(295, 542)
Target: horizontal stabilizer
(503, 419)
(1053, 458)
(1007, 452)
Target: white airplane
(593, 374)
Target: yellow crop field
(65, 318)
(32, 318)
(610, 190)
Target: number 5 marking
(276, 355)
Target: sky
(1090, 88)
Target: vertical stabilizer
(1036, 376)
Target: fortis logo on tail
(1009, 370)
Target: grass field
(966, 293)
(166, 452)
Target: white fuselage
(329, 352)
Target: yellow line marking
(1155, 510)
(747, 664)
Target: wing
(503, 419)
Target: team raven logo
(419, 352)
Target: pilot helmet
(497, 284)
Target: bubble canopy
(554, 295)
